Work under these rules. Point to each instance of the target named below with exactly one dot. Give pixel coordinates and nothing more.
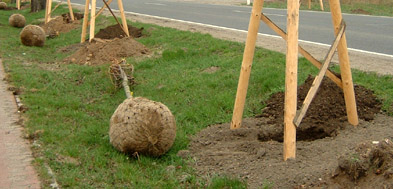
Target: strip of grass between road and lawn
(72, 104)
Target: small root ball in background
(32, 35)
(17, 20)
(143, 126)
(3, 5)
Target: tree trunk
(37, 5)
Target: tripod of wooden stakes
(292, 117)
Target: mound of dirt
(101, 51)
(244, 153)
(370, 164)
(326, 114)
(115, 31)
(61, 24)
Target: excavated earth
(330, 152)
(108, 45)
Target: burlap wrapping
(3, 5)
(17, 20)
(32, 35)
(143, 126)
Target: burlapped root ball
(17, 20)
(3, 5)
(33, 35)
(142, 126)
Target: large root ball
(143, 126)
(33, 35)
(17, 20)
(3, 5)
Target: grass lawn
(72, 104)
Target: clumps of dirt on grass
(370, 164)
(61, 24)
(326, 114)
(115, 31)
(100, 51)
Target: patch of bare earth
(61, 24)
(113, 46)
(255, 151)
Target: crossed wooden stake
(49, 10)
(93, 17)
(291, 118)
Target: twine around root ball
(142, 126)
(3, 5)
(32, 35)
(17, 20)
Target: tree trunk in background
(37, 5)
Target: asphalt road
(366, 33)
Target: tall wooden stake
(321, 4)
(85, 21)
(291, 79)
(18, 4)
(48, 10)
(247, 63)
(123, 17)
(92, 19)
(70, 8)
(346, 75)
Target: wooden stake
(103, 7)
(346, 75)
(309, 4)
(321, 4)
(123, 17)
(247, 63)
(18, 4)
(318, 79)
(307, 55)
(85, 21)
(92, 19)
(48, 10)
(70, 8)
(291, 79)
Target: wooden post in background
(48, 10)
(291, 79)
(18, 4)
(70, 8)
(85, 21)
(92, 19)
(309, 4)
(248, 57)
(123, 17)
(346, 75)
(321, 4)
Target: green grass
(72, 104)
(371, 9)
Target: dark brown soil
(328, 104)
(115, 31)
(101, 51)
(252, 154)
(61, 24)
(370, 164)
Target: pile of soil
(248, 153)
(115, 31)
(326, 114)
(101, 51)
(370, 164)
(61, 24)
